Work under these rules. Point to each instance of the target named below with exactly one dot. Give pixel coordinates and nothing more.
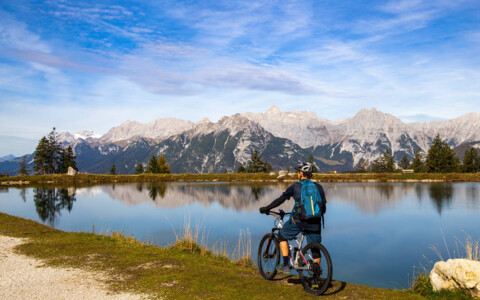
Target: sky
(92, 65)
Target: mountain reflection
(370, 198)
(49, 202)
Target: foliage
(257, 165)
(384, 164)
(158, 166)
(67, 159)
(113, 170)
(23, 169)
(404, 163)
(363, 166)
(51, 158)
(418, 164)
(471, 161)
(139, 169)
(241, 169)
(441, 158)
(152, 166)
(163, 166)
(310, 160)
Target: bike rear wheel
(317, 277)
(268, 256)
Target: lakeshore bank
(123, 266)
(85, 178)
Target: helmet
(305, 167)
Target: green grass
(421, 283)
(183, 271)
(260, 177)
(423, 287)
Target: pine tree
(23, 168)
(139, 169)
(67, 159)
(384, 164)
(241, 169)
(418, 164)
(363, 166)
(471, 161)
(433, 162)
(40, 157)
(310, 160)
(257, 165)
(441, 158)
(404, 163)
(113, 170)
(53, 153)
(153, 165)
(163, 166)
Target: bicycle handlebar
(280, 213)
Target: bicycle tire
(317, 278)
(268, 259)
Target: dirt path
(22, 277)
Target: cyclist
(294, 225)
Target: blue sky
(91, 65)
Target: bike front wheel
(268, 256)
(315, 277)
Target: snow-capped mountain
(282, 138)
(227, 144)
(303, 128)
(158, 129)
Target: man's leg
(288, 232)
(284, 248)
(315, 237)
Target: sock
(285, 261)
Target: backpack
(311, 205)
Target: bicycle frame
(295, 252)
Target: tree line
(50, 157)
(440, 158)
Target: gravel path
(22, 277)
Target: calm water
(376, 233)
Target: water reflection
(257, 191)
(371, 198)
(441, 195)
(156, 189)
(49, 202)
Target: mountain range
(282, 138)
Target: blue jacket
(295, 191)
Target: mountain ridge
(283, 138)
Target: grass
(177, 272)
(421, 283)
(83, 178)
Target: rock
(463, 274)
(272, 174)
(71, 171)
(291, 174)
(282, 174)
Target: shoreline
(83, 178)
(125, 265)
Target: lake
(377, 234)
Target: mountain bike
(312, 262)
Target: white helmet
(305, 167)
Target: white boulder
(463, 274)
(71, 171)
(282, 173)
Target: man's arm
(277, 202)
